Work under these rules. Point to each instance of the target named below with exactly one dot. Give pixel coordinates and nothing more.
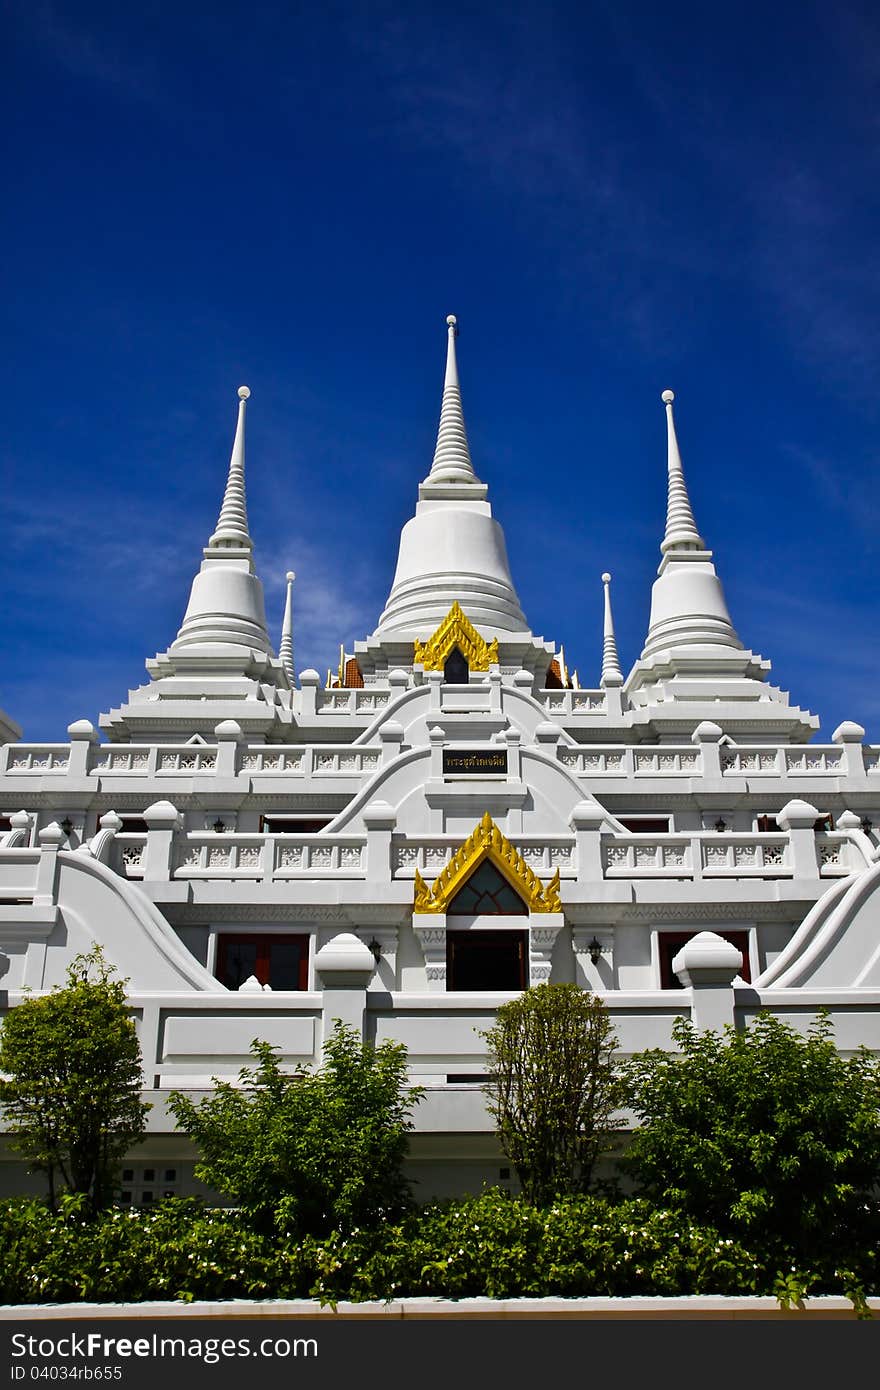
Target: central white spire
(452, 457)
(452, 549)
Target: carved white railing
(328, 762)
(361, 702)
(872, 759)
(128, 760)
(837, 855)
(661, 761)
(598, 762)
(269, 856)
(543, 854)
(37, 757)
(696, 856)
(667, 762)
(572, 702)
(784, 761)
(273, 760)
(187, 760)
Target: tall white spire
(452, 456)
(681, 529)
(285, 651)
(688, 608)
(232, 524)
(453, 549)
(226, 611)
(611, 672)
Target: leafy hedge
(492, 1245)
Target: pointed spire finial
(232, 524)
(681, 528)
(285, 650)
(611, 672)
(452, 457)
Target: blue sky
(613, 198)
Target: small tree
(553, 1087)
(72, 1085)
(769, 1136)
(310, 1151)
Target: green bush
(771, 1137)
(72, 1089)
(499, 1246)
(494, 1245)
(554, 1086)
(312, 1151)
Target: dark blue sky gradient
(613, 197)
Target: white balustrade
(37, 758)
(128, 853)
(667, 762)
(598, 762)
(357, 702)
(696, 856)
(272, 760)
(573, 702)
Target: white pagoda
(448, 819)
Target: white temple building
(448, 819)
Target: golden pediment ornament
(487, 842)
(456, 630)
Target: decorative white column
(344, 966)
(163, 822)
(380, 819)
(586, 820)
(391, 738)
(708, 965)
(707, 737)
(544, 928)
(229, 736)
(851, 736)
(309, 680)
(799, 818)
(430, 930)
(51, 839)
(82, 734)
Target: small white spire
(452, 457)
(611, 672)
(681, 529)
(232, 524)
(285, 651)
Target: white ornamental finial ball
(606, 578)
(668, 397)
(290, 576)
(243, 393)
(451, 320)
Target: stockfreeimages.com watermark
(84, 1347)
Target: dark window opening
(671, 943)
(455, 669)
(767, 824)
(282, 962)
(645, 825)
(486, 891)
(293, 825)
(133, 825)
(486, 960)
(5, 823)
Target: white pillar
(344, 966)
(799, 818)
(708, 965)
(163, 821)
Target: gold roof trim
(456, 630)
(487, 842)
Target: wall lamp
(67, 826)
(375, 949)
(219, 826)
(720, 826)
(595, 949)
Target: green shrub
(72, 1090)
(771, 1137)
(312, 1151)
(553, 1087)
